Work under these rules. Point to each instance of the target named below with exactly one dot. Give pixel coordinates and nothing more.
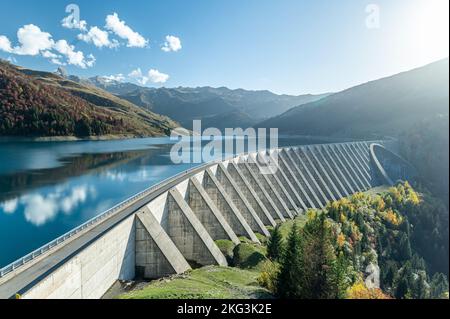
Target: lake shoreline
(72, 138)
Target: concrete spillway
(166, 229)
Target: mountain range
(36, 104)
(384, 107)
(40, 103)
(216, 107)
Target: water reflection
(11, 185)
(47, 189)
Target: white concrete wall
(90, 273)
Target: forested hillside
(44, 104)
(391, 245)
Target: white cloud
(5, 44)
(114, 24)
(38, 209)
(78, 195)
(152, 75)
(99, 38)
(74, 57)
(10, 206)
(172, 44)
(118, 77)
(54, 58)
(49, 55)
(138, 76)
(70, 23)
(32, 40)
(157, 77)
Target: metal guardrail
(94, 221)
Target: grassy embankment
(238, 281)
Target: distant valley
(216, 107)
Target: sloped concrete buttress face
(271, 189)
(240, 201)
(208, 213)
(224, 203)
(347, 187)
(286, 183)
(306, 201)
(306, 156)
(352, 167)
(331, 174)
(261, 191)
(306, 174)
(310, 173)
(291, 160)
(189, 235)
(285, 197)
(344, 165)
(156, 254)
(251, 195)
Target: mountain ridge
(219, 107)
(45, 104)
(391, 104)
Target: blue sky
(286, 46)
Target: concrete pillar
(332, 170)
(261, 191)
(189, 235)
(304, 167)
(156, 254)
(225, 205)
(307, 202)
(240, 201)
(358, 184)
(281, 189)
(354, 165)
(357, 159)
(208, 213)
(249, 193)
(284, 181)
(298, 169)
(270, 188)
(363, 162)
(324, 173)
(364, 151)
(342, 169)
(318, 179)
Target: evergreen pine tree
(319, 259)
(289, 278)
(339, 277)
(438, 286)
(401, 290)
(404, 248)
(275, 245)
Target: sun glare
(431, 24)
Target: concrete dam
(172, 226)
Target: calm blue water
(47, 189)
